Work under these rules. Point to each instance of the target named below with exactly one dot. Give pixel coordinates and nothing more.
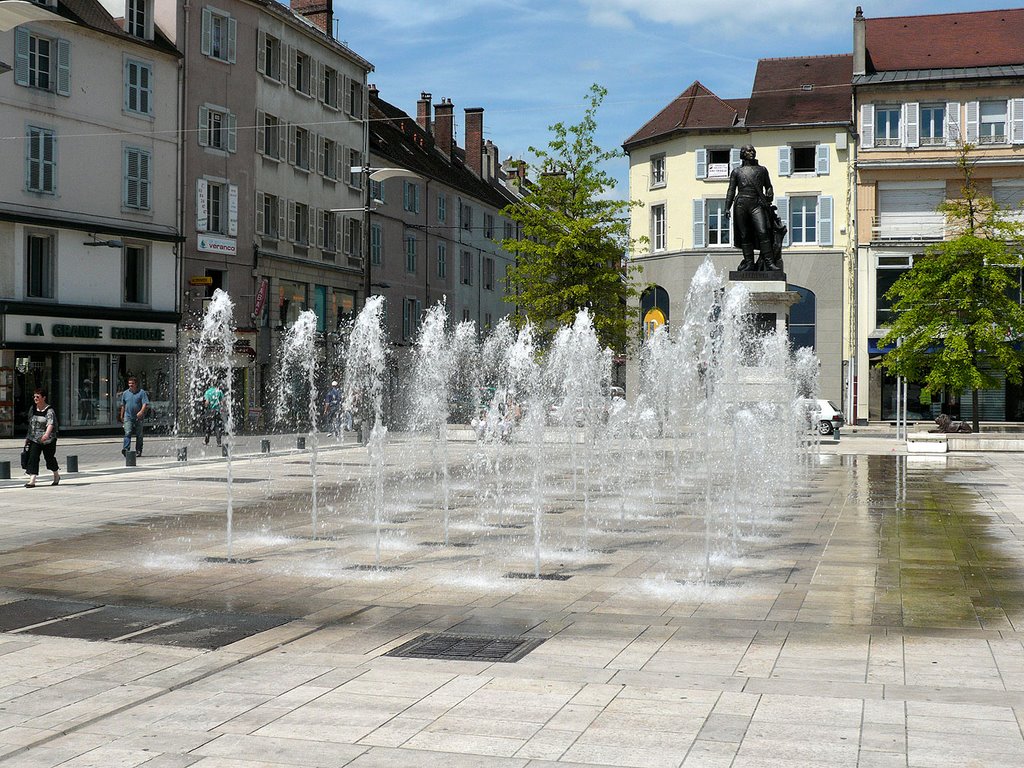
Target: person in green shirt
(212, 398)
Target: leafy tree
(573, 237)
(958, 311)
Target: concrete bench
(927, 442)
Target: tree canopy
(573, 237)
(958, 316)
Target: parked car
(823, 415)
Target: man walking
(214, 423)
(134, 403)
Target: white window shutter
(321, 91)
(701, 157)
(341, 161)
(260, 224)
(292, 67)
(232, 132)
(698, 223)
(319, 228)
(1017, 121)
(232, 39)
(261, 131)
(291, 220)
(311, 146)
(201, 205)
(261, 52)
(911, 124)
(282, 224)
(346, 245)
(21, 55)
(232, 209)
(785, 161)
(973, 122)
(782, 206)
(282, 140)
(823, 159)
(127, 180)
(735, 161)
(321, 164)
(204, 126)
(952, 122)
(206, 41)
(338, 233)
(64, 67)
(867, 126)
(292, 129)
(310, 225)
(347, 94)
(825, 220)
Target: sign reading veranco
(208, 244)
(28, 329)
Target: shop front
(84, 361)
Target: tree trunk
(974, 410)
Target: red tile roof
(696, 108)
(801, 90)
(946, 40)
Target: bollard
(224, 450)
(836, 431)
(72, 463)
(264, 446)
(5, 470)
(300, 443)
(183, 453)
(129, 459)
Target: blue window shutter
(64, 67)
(127, 85)
(698, 223)
(144, 179)
(735, 161)
(825, 220)
(702, 163)
(785, 161)
(782, 204)
(126, 177)
(21, 56)
(823, 159)
(204, 120)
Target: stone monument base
(770, 302)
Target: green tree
(573, 237)
(958, 314)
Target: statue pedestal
(770, 302)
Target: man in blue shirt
(134, 404)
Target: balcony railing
(909, 226)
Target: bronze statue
(755, 220)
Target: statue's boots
(747, 265)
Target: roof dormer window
(138, 19)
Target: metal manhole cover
(378, 568)
(25, 613)
(542, 576)
(239, 480)
(456, 544)
(448, 647)
(107, 623)
(210, 630)
(231, 560)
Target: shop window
(40, 267)
(136, 274)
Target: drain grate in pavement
(448, 647)
(542, 577)
(210, 630)
(231, 560)
(362, 567)
(107, 623)
(239, 480)
(457, 544)
(25, 613)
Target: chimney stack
(423, 111)
(860, 48)
(491, 165)
(373, 89)
(318, 12)
(444, 126)
(475, 139)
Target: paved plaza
(874, 620)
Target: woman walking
(42, 438)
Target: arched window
(802, 318)
(654, 309)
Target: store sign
(200, 280)
(261, 297)
(223, 245)
(28, 329)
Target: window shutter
(347, 234)
(825, 220)
(347, 95)
(952, 122)
(340, 162)
(201, 203)
(282, 225)
(698, 223)
(416, 202)
(282, 140)
(291, 220)
(320, 228)
(310, 226)
(21, 55)
(64, 67)
(144, 180)
(232, 39)
(206, 41)
(973, 121)
(321, 164)
(291, 143)
(292, 66)
(204, 126)
(1017, 121)
(261, 52)
(128, 85)
(232, 133)
(311, 146)
(405, 319)
(867, 126)
(701, 156)
(823, 159)
(261, 131)
(339, 83)
(338, 232)
(260, 222)
(785, 161)
(127, 185)
(911, 124)
(735, 161)
(782, 205)
(321, 86)
(232, 209)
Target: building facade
(89, 235)
(918, 92)
(798, 120)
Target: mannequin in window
(754, 218)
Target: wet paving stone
(108, 623)
(210, 630)
(25, 613)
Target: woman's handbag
(24, 458)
